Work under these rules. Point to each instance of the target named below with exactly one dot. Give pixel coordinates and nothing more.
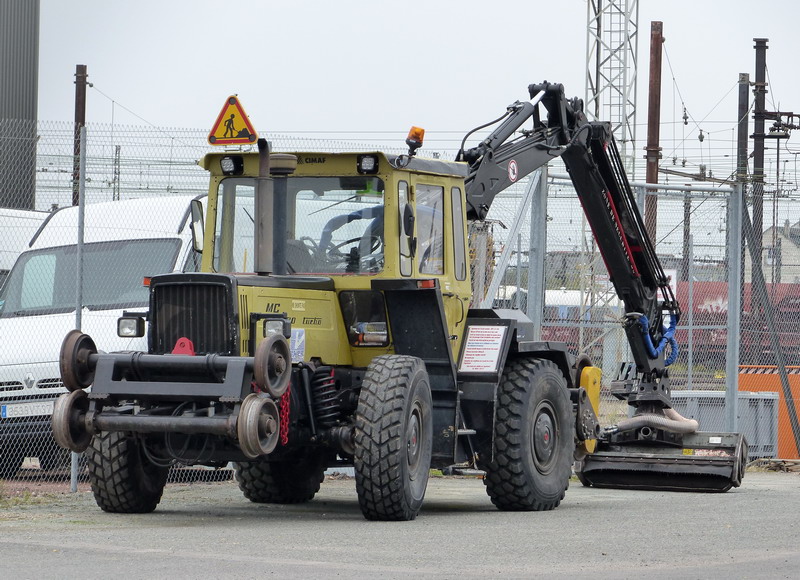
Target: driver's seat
(298, 258)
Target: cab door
(441, 252)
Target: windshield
(43, 281)
(334, 225)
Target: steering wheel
(311, 244)
(334, 250)
(375, 242)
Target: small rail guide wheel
(272, 368)
(73, 361)
(258, 427)
(69, 429)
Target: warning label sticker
(482, 349)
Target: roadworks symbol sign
(232, 126)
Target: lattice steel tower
(611, 59)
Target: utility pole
(80, 121)
(742, 138)
(760, 91)
(778, 131)
(653, 127)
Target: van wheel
(533, 438)
(123, 479)
(393, 438)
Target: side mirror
(197, 225)
(408, 220)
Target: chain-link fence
(138, 184)
(126, 237)
(695, 241)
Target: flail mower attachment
(663, 451)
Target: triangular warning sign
(232, 126)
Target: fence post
(73, 476)
(690, 307)
(640, 195)
(734, 308)
(518, 294)
(537, 257)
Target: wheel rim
(413, 440)
(544, 437)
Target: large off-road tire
(294, 480)
(123, 479)
(534, 440)
(393, 438)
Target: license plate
(32, 409)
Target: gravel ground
(209, 530)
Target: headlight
(130, 327)
(232, 165)
(367, 164)
(273, 327)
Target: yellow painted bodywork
(312, 310)
(317, 311)
(590, 380)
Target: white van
(124, 241)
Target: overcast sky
(355, 66)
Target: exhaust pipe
(263, 250)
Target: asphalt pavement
(210, 530)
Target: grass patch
(21, 498)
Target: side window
(430, 229)
(405, 240)
(233, 247)
(38, 282)
(460, 258)
(193, 261)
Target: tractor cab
(353, 218)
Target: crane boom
(595, 167)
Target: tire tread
(119, 482)
(506, 480)
(379, 437)
(281, 482)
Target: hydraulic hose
(667, 338)
(671, 421)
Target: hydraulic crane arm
(591, 157)
(597, 172)
(499, 161)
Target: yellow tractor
(332, 324)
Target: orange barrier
(765, 378)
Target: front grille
(10, 386)
(49, 384)
(198, 308)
